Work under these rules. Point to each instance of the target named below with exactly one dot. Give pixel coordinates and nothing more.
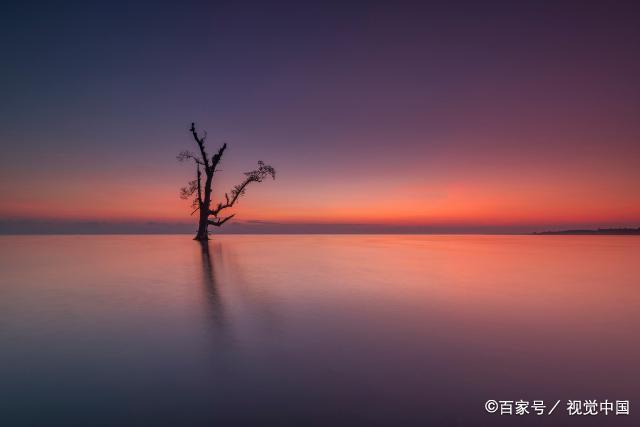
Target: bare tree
(200, 191)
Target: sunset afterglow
(375, 115)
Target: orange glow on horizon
(457, 205)
(465, 194)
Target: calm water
(314, 330)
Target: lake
(390, 330)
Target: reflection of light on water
(279, 323)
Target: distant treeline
(599, 231)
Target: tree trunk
(205, 206)
(203, 228)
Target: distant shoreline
(62, 227)
(598, 232)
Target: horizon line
(97, 227)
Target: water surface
(313, 330)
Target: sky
(457, 116)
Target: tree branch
(199, 188)
(218, 222)
(186, 154)
(256, 175)
(235, 193)
(216, 158)
(200, 142)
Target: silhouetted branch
(216, 158)
(189, 190)
(256, 175)
(199, 175)
(200, 142)
(186, 155)
(218, 222)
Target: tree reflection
(211, 286)
(220, 268)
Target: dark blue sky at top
(151, 65)
(111, 87)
